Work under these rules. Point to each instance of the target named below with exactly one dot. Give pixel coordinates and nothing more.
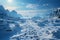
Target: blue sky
(28, 7)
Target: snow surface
(32, 31)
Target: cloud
(32, 6)
(45, 4)
(36, 6)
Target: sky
(30, 8)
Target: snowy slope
(32, 31)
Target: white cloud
(32, 6)
(45, 4)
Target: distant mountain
(14, 14)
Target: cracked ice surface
(31, 30)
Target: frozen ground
(32, 30)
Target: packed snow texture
(31, 30)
